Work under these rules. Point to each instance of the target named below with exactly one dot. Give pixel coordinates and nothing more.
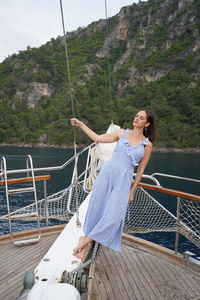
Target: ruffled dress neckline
(133, 151)
(144, 142)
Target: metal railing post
(177, 224)
(46, 204)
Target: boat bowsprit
(60, 274)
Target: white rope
(98, 156)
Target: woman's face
(140, 120)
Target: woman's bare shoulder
(150, 144)
(120, 132)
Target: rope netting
(56, 206)
(190, 220)
(146, 214)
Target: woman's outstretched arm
(140, 171)
(102, 138)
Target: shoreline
(52, 146)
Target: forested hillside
(152, 50)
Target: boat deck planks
(132, 274)
(15, 261)
(135, 274)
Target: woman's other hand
(76, 122)
(130, 199)
(131, 196)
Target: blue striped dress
(109, 199)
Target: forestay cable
(109, 69)
(67, 60)
(75, 175)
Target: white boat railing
(175, 177)
(145, 213)
(187, 217)
(47, 169)
(10, 192)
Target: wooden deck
(136, 273)
(15, 261)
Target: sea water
(178, 164)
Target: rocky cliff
(147, 56)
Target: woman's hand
(131, 196)
(130, 200)
(76, 122)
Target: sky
(34, 22)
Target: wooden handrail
(26, 179)
(170, 192)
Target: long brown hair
(150, 132)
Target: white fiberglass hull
(59, 258)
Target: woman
(112, 189)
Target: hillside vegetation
(152, 50)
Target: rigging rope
(75, 175)
(67, 60)
(73, 114)
(108, 59)
(109, 72)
